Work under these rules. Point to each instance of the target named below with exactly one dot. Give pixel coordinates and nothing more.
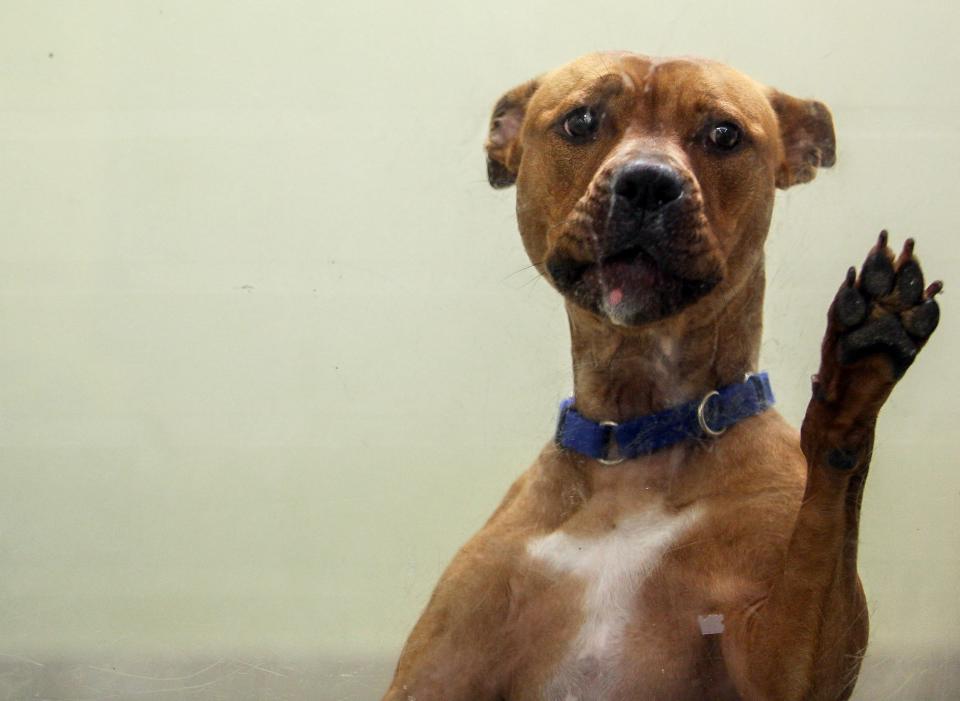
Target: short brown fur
(775, 551)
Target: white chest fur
(613, 567)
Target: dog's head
(644, 184)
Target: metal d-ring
(611, 425)
(701, 419)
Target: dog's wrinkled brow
(718, 109)
(596, 92)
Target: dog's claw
(906, 254)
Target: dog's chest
(612, 568)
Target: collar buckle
(610, 444)
(702, 419)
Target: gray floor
(908, 677)
(227, 678)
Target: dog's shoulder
(760, 454)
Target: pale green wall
(269, 351)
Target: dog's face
(645, 184)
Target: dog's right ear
(503, 147)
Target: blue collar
(612, 443)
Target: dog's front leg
(435, 666)
(806, 638)
(456, 650)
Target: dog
(677, 539)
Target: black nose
(648, 187)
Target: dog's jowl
(676, 539)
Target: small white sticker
(711, 624)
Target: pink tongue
(615, 297)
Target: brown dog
(719, 566)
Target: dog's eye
(581, 124)
(725, 136)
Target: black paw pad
(910, 283)
(851, 307)
(921, 321)
(883, 335)
(877, 275)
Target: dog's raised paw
(886, 309)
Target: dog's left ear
(806, 130)
(503, 147)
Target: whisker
(520, 270)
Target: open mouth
(628, 287)
(630, 265)
(629, 271)
(627, 282)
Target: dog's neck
(620, 373)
